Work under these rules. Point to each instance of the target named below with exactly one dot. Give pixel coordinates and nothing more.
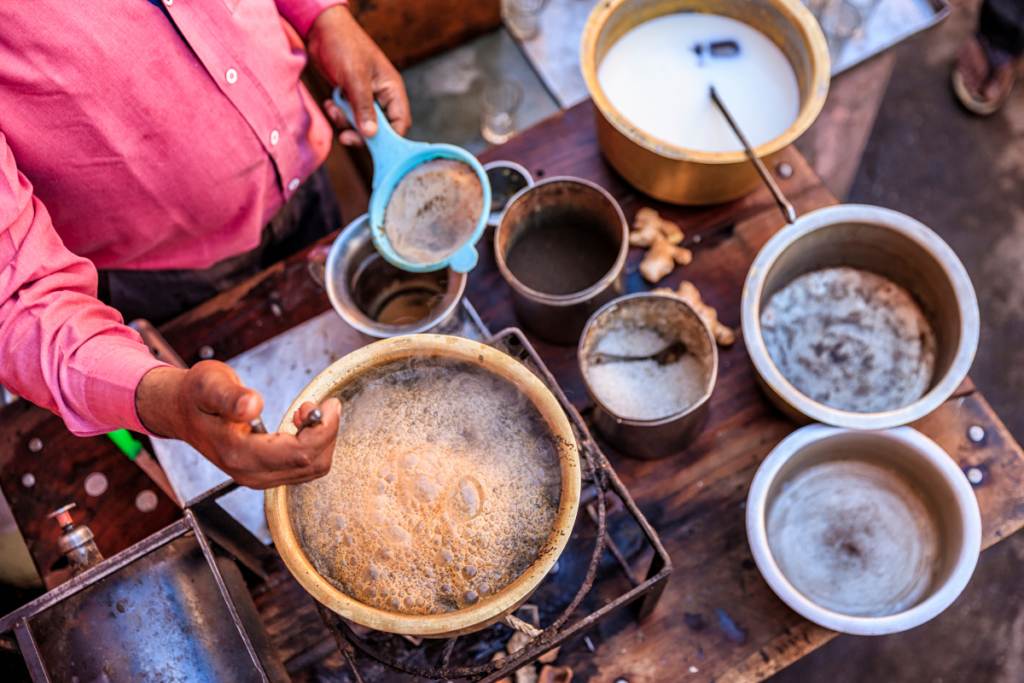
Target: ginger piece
(644, 237)
(497, 656)
(650, 224)
(688, 292)
(517, 642)
(555, 674)
(528, 674)
(550, 656)
(661, 259)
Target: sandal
(983, 78)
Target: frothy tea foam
(445, 486)
(433, 210)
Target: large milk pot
(681, 176)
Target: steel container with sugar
(674, 320)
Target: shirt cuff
(113, 375)
(302, 13)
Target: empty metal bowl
(884, 242)
(507, 179)
(673, 320)
(878, 531)
(381, 300)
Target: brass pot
(682, 176)
(486, 612)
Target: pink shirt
(123, 146)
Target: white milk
(654, 78)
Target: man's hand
(348, 57)
(208, 407)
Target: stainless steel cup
(361, 285)
(549, 205)
(674, 320)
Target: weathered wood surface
(694, 499)
(60, 470)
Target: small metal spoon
(668, 355)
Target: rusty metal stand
(599, 478)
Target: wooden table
(717, 620)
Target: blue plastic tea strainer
(393, 157)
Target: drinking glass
(522, 17)
(499, 102)
(840, 20)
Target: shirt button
(168, 2)
(293, 184)
(274, 137)
(231, 76)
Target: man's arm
(59, 346)
(348, 57)
(64, 350)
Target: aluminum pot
(905, 453)
(884, 242)
(487, 611)
(682, 176)
(361, 286)
(548, 205)
(674, 319)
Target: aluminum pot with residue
(889, 244)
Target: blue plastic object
(393, 157)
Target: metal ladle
(787, 209)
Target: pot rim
(930, 607)
(344, 306)
(817, 89)
(486, 611)
(704, 398)
(967, 301)
(575, 297)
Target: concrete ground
(964, 177)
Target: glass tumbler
(499, 102)
(522, 17)
(840, 21)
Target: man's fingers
(359, 88)
(217, 390)
(350, 138)
(395, 102)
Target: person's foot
(983, 78)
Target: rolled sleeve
(61, 348)
(302, 13)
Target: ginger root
(662, 258)
(663, 237)
(724, 336)
(648, 225)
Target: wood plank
(409, 31)
(60, 470)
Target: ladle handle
(787, 209)
(387, 147)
